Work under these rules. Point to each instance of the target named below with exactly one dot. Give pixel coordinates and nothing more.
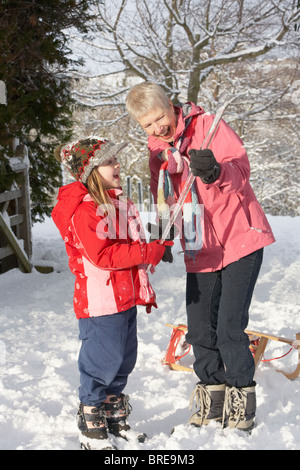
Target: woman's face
(160, 123)
(110, 173)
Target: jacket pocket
(244, 214)
(254, 216)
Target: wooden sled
(261, 341)
(262, 344)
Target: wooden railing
(15, 219)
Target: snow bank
(39, 347)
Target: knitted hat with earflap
(82, 156)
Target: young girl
(109, 256)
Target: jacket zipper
(133, 288)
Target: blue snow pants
(218, 313)
(107, 356)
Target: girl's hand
(154, 251)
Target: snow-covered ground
(39, 347)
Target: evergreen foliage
(34, 62)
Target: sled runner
(170, 358)
(258, 344)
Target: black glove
(156, 232)
(204, 164)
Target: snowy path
(39, 346)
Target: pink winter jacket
(234, 222)
(107, 269)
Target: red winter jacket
(234, 222)
(106, 270)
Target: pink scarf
(128, 213)
(136, 233)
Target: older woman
(225, 256)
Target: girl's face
(160, 123)
(110, 173)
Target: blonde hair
(144, 97)
(97, 189)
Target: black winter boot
(92, 421)
(117, 409)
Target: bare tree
(203, 51)
(179, 43)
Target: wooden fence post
(14, 244)
(128, 181)
(140, 196)
(21, 165)
(144, 198)
(3, 99)
(15, 220)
